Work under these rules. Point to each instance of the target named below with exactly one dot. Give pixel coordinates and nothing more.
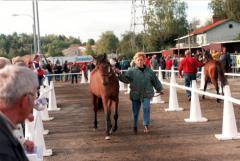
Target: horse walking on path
(214, 71)
(104, 85)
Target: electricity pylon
(137, 21)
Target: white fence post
(202, 79)
(44, 112)
(121, 86)
(195, 109)
(157, 98)
(160, 77)
(229, 127)
(83, 79)
(173, 100)
(128, 89)
(89, 76)
(52, 104)
(38, 136)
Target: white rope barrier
(231, 99)
(232, 74)
(63, 74)
(176, 71)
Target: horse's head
(102, 58)
(104, 68)
(207, 56)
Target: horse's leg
(95, 110)
(116, 116)
(107, 112)
(222, 89)
(110, 111)
(99, 104)
(215, 83)
(205, 86)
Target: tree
(89, 50)
(73, 40)
(108, 43)
(125, 48)
(218, 8)
(226, 9)
(165, 20)
(91, 41)
(208, 22)
(21, 44)
(195, 23)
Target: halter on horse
(104, 85)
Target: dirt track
(72, 137)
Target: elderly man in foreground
(18, 87)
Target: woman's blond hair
(139, 54)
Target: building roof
(203, 29)
(208, 27)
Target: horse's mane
(207, 55)
(101, 59)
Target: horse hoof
(115, 129)
(95, 129)
(111, 131)
(107, 138)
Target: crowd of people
(65, 72)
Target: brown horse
(104, 85)
(214, 71)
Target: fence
(229, 127)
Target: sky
(81, 19)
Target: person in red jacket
(189, 67)
(84, 69)
(147, 62)
(168, 65)
(37, 68)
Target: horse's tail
(220, 73)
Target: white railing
(229, 127)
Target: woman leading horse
(142, 81)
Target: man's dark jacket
(10, 148)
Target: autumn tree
(108, 43)
(226, 9)
(165, 21)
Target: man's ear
(24, 101)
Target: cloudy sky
(83, 19)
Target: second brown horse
(213, 71)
